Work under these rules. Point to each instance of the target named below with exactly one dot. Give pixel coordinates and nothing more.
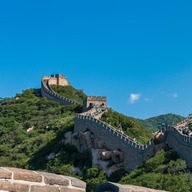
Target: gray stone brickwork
(134, 154)
(179, 142)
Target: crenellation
(94, 101)
(135, 153)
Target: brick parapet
(134, 154)
(89, 121)
(93, 98)
(48, 92)
(182, 138)
(179, 142)
(20, 180)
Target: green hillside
(164, 171)
(32, 127)
(153, 123)
(129, 126)
(70, 93)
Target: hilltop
(154, 123)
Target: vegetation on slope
(165, 171)
(70, 93)
(154, 122)
(129, 126)
(31, 128)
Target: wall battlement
(92, 101)
(48, 92)
(57, 79)
(179, 142)
(135, 153)
(96, 98)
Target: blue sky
(137, 53)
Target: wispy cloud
(133, 97)
(174, 95)
(146, 99)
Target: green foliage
(129, 126)
(93, 177)
(164, 171)
(117, 175)
(153, 123)
(70, 93)
(31, 128)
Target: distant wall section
(59, 79)
(180, 143)
(92, 101)
(134, 154)
(47, 91)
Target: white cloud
(133, 97)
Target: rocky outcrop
(81, 141)
(20, 180)
(159, 138)
(101, 156)
(117, 156)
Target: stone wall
(20, 180)
(134, 154)
(180, 143)
(58, 79)
(62, 80)
(47, 92)
(90, 101)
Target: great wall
(134, 154)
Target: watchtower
(94, 101)
(59, 79)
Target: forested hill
(127, 125)
(32, 128)
(154, 122)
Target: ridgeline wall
(179, 142)
(134, 153)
